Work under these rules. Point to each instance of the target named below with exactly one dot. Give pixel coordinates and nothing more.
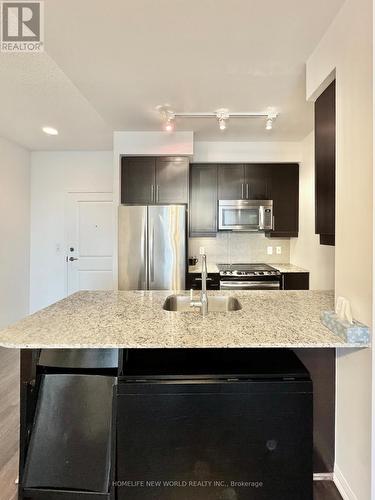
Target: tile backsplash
(229, 248)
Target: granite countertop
(289, 268)
(137, 320)
(283, 268)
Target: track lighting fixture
(222, 116)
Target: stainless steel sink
(218, 303)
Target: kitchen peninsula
(149, 394)
(136, 319)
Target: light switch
(278, 250)
(269, 250)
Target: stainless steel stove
(249, 277)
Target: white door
(90, 240)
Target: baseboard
(343, 486)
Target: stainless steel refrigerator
(152, 247)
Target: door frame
(75, 196)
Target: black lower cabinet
(244, 436)
(70, 452)
(295, 281)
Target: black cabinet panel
(160, 180)
(284, 191)
(138, 180)
(254, 432)
(232, 182)
(172, 180)
(257, 179)
(71, 439)
(203, 200)
(295, 281)
(325, 165)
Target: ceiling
(108, 64)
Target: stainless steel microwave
(245, 215)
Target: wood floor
(9, 418)
(326, 490)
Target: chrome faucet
(203, 302)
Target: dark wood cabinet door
(295, 281)
(172, 180)
(257, 179)
(284, 191)
(203, 200)
(231, 182)
(137, 180)
(325, 165)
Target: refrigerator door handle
(145, 255)
(151, 256)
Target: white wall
(15, 232)
(262, 152)
(347, 48)
(306, 251)
(53, 174)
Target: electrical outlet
(269, 250)
(278, 250)
(201, 250)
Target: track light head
(222, 116)
(168, 118)
(169, 125)
(270, 118)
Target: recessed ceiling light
(50, 131)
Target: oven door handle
(248, 285)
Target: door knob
(72, 259)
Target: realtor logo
(22, 26)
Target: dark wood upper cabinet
(243, 182)
(257, 181)
(137, 180)
(203, 199)
(172, 180)
(284, 191)
(231, 181)
(150, 180)
(325, 165)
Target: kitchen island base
(191, 423)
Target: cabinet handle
(152, 192)
(247, 191)
(242, 191)
(157, 194)
(273, 223)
